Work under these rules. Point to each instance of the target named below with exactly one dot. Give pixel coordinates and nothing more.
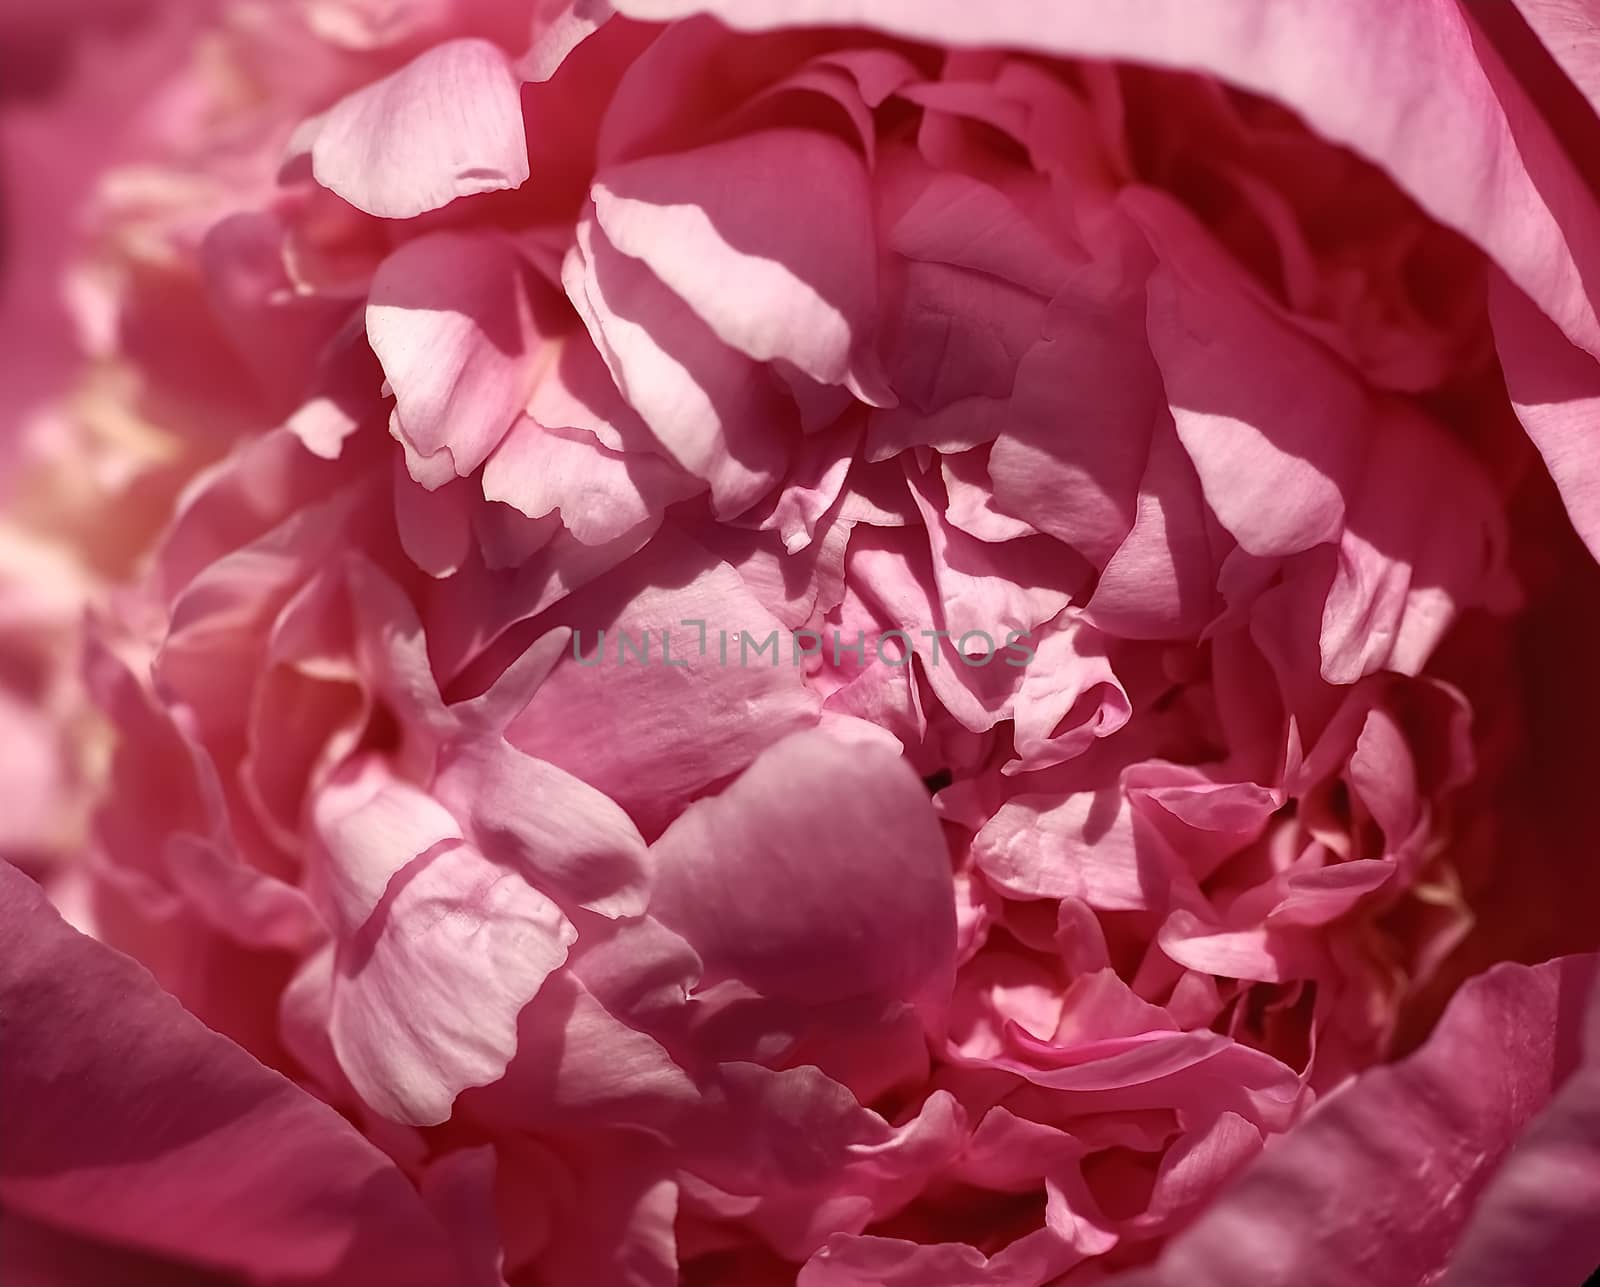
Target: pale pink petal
(994, 589)
(451, 319)
(602, 494)
(1161, 581)
(1555, 389)
(972, 506)
(1425, 541)
(447, 125)
(580, 1066)
(1276, 431)
(563, 835)
(426, 1000)
(372, 824)
(813, 485)
(241, 900)
(1077, 438)
(1195, 1168)
(1567, 28)
(714, 410)
(1069, 697)
(560, 26)
(734, 230)
(373, 24)
(1258, 953)
(1079, 845)
(579, 393)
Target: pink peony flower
(861, 645)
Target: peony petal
(373, 24)
(579, 1066)
(1160, 583)
(998, 590)
(446, 125)
(560, 26)
(851, 1260)
(435, 527)
(130, 1123)
(1425, 541)
(373, 824)
(669, 671)
(426, 1000)
(1276, 431)
(616, 1203)
(459, 1190)
(450, 317)
(1082, 845)
(565, 837)
(1380, 1182)
(752, 877)
(1078, 435)
(1555, 389)
(1567, 28)
(602, 494)
(715, 411)
(1512, 194)
(736, 230)
(1070, 697)
(1539, 1208)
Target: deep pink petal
(1384, 1180)
(130, 1123)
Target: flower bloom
(859, 644)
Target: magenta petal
(1539, 1209)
